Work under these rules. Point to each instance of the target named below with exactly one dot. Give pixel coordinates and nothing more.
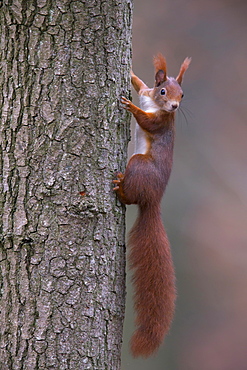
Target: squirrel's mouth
(170, 110)
(171, 106)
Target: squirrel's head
(167, 92)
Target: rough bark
(64, 65)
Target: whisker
(188, 111)
(181, 112)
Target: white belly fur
(147, 105)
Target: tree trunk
(64, 66)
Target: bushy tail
(153, 279)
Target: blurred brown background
(205, 205)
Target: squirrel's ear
(160, 69)
(160, 77)
(183, 68)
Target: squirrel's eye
(182, 96)
(163, 91)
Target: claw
(119, 179)
(125, 102)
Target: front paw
(120, 177)
(126, 103)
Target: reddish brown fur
(159, 63)
(183, 68)
(144, 183)
(153, 280)
(137, 83)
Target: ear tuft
(183, 68)
(160, 69)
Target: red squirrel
(144, 183)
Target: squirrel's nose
(174, 106)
